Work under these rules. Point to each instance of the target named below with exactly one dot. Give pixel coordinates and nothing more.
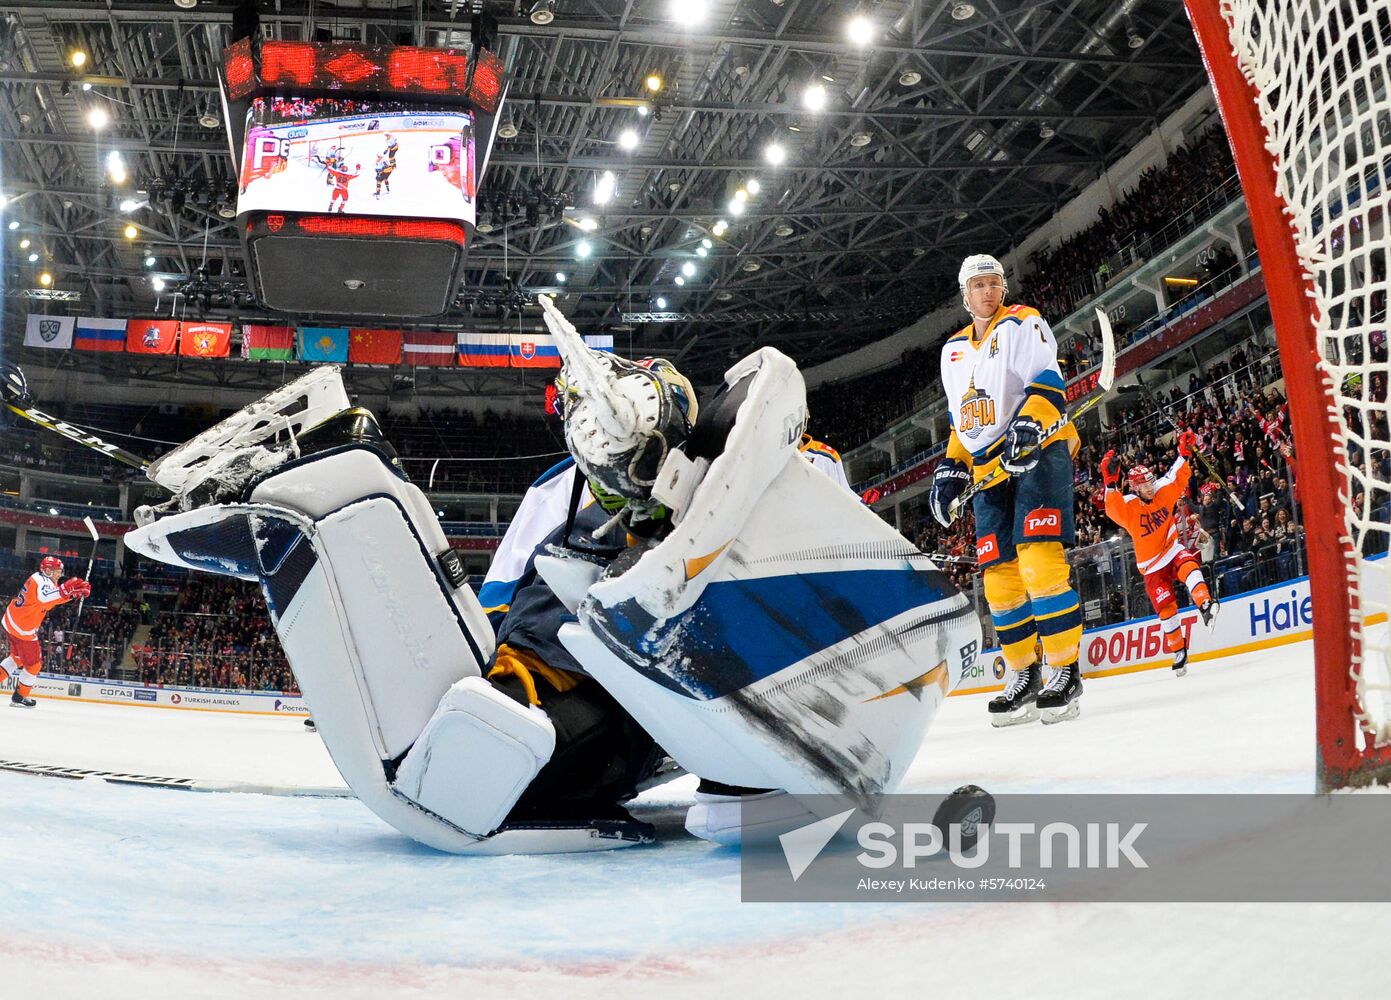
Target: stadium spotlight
(661, 302)
(97, 117)
(628, 139)
(860, 30)
(720, 228)
(588, 225)
(157, 283)
(775, 154)
(680, 280)
(129, 205)
(753, 186)
(560, 277)
(150, 261)
(116, 167)
(814, 97)
(78, 58)
(707, 244)
(653, 82)
(543, 12)
(963, 11)
(583, 249)
(14, 224)
(33, 258)
(46, 279)
(688, 269)
(24, 243)
(689, 12)
(701, 251)
(604, 187)
(131, 232)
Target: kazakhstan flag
(323, 344)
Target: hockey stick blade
(91, 528)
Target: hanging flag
(599, 341)
(326, 344)
(267, 343)
(205, 340)
(92, 334)
(374, 347)
(483, 350)
(534, 350)
(49, 331)
(435, 349)
(152, 336)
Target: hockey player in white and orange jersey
(40, 594)
(1148, 517)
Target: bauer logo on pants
(1043, 521)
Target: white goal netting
(1320, 68)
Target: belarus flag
(434, 349)
(93, 334)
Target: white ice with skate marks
(147, 892)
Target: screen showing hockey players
(359, 158)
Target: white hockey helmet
(975, 265)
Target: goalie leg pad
(475, 757)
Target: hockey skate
(1016, 706)
(1061, 697)
(18, 700)
(1180, 664)
(1208, 610)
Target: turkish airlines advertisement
(308, 156)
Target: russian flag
(484, 350)
(92, 334)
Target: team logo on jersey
(1043, 521)
(977, 411)
(987, 549)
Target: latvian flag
(484, 350)
(428, 349)
(92, 334)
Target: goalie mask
(621, 468)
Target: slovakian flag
(91, 334)
(205, 340)
(152, 336)
(534, 350)
(430, 349)
(484, 350)
(267, 343)
(49, 331)
(374, 347)
(323, 344)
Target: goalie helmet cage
(1302, 87)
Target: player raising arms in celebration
(40, 595)
(1003, 389)
(1149, 519)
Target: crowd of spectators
(487, 453)
(218, 634)
(851, 411)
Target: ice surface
(118, 891)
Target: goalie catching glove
(75, 587)
(949, 481)
(1022, 445)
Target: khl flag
(534, 350)
(49, 331)
(484, 350)
(324, 344)
(91, 334)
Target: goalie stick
(1105, 377)
(15, 392)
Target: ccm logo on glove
(1044, 521)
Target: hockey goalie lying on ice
(706, 594)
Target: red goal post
(1299, 83)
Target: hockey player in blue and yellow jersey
(1004, 388)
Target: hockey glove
(75, 587)
(949, 481)
(1022, 445)
(1110, 475)
(1187, 443)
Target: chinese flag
(374, 347)
(152, 336)
(205, 340)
